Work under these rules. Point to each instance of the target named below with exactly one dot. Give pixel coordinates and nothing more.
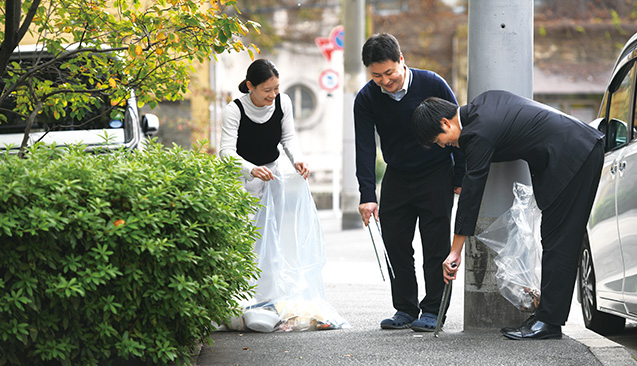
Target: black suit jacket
(499, 126)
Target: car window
(98, 118)
(99, 115)
(603, 107)
(620, 120)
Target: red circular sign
(329, 80)
(337, 36)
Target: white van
(125, 128)
(607, 280)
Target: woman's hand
(262, 173)
(302, 168)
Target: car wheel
(597, 321)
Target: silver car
(607, 277)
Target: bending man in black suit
(565, 157)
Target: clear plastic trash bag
(515, 237)
(289, 295)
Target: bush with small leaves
(122, 255)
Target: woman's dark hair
(381, 47)
(427, 116)
(259, 71)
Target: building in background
(307, 39)
(575, 45)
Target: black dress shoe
(535, 329)
(511, 329)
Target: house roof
(577, 78)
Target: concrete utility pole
(353, 80)
(500, 57)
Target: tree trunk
(27, 130)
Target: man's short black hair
(427, 117)
(381, 47)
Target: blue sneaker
(400, 320)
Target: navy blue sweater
(392, 120)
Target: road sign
(328, 80)
(337, 37)
(325, 45)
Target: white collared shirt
(400, 93)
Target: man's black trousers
(426, 197)
(563, 228)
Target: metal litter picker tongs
(446, 293)
(391, 269)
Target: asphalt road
(628, 338)
(354, 286)
(364, 268)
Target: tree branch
(33, 70)
(12, 20)
(7, 111)
(27, 130)
(24, 28)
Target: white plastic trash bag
(291, 254)
(515, 237)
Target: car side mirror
(601, 124)
(150, 124)
(617, 133)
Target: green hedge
(126, 255)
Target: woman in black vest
(255, 124)
(290, 251)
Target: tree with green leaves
(92, 52)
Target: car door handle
(613, 169)
(621, 166)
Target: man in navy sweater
(418, 185)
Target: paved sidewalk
(355, 289)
